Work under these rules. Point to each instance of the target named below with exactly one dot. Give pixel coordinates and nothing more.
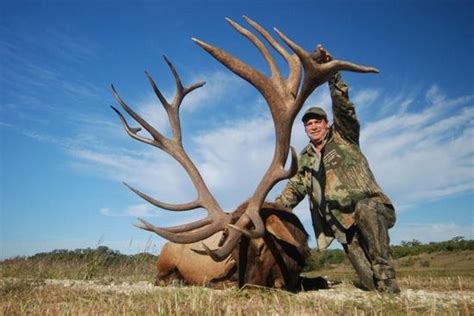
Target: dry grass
(45, 298)
(444, 271)
(139, 268)
(444, 285)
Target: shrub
(414, 247)
(324, 259)
(408, 262)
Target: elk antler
(217, 218)
(285, 97)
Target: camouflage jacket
(344, 173)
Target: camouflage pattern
(344, 173)
(368, 245)
(353, 208)
(348, 178)
(307, 182)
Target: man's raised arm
(345, 119)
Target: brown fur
(179, 262)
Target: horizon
(64, 153)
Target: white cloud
(233, 158)
(365, 98)
(136, 210)
(78, 89)
(428, 232)
(427, 155)
(150, 172)
(434, 95)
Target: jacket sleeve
(345, 119)
(294, 191)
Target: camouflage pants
(368, 245)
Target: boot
(389, 286)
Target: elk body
(284, 97)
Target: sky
(64, 153)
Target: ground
(85, 297)
(432, 284)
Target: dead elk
(274, 260)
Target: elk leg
(163, 279)
(283, 280)
(243, 259)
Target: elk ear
(276, 227)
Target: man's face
(316, 128)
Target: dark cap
(314, 111)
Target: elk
(275, 260)
(285, 98)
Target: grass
(83, 264)
(445, 271)
(101, 281)
(40, 299)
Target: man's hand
(321, 55)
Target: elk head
(284, 96)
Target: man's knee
(370, 212)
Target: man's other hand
(321, 55)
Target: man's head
(316, 124)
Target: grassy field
(107, 283)
(437, 271)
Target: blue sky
(64, 154)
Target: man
(345, 200)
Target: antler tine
(183, 91)
(175, 229)
(280, 49)
(315, 73)
(217, 254)
(294, 47)
(157, 91)
(179, 85)
(241, 69)
(172, 110)
(216, 218)
(159, 139)
(182, 234)
(294, 165)
(261, 47)
(338, 65)
(131, 131)
(294, 64)
(171, 207)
